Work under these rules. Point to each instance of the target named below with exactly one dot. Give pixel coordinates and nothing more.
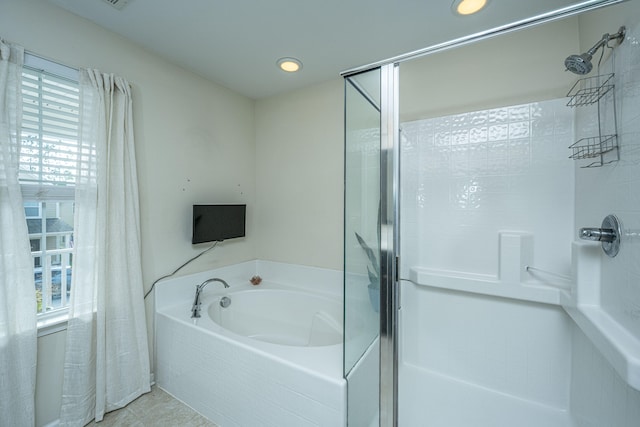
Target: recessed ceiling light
(468, 7)
(290, 65)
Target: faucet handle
(598, 234)
(609, 234)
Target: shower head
(581, 64)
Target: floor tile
(154, 409)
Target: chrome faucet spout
(195, 309)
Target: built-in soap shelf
(513, 280)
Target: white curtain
(107, 358)
(18, 336)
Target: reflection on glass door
(362, 246)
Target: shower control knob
(609, 234)
(597, 234)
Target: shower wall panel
(520, 349)
(464, 179)
(468, 176)
(599, 396)
(614, 188)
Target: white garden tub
(279, 316)
(273, 356)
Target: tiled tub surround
(235, 380)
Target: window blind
(50, 153)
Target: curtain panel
(18, 333)
(107, 358)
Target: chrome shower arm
(606, 38)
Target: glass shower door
(362, 246)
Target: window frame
(55, 320)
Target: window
(49, 164)
(32, 209)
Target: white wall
(468, 177)
(518, 348)
(598, 394)
(480, 180)
(190, 134)
(49, 377)
(194, 143)
(612, 188)
(524, 66)
(299, 176)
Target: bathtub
(272, 356)
(279, 316)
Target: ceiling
(237, 43)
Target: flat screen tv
(213, 223)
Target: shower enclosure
(464, 276)
(370, 245)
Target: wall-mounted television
(213, 223)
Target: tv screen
(218, 222)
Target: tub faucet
(195, 310)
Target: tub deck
(323, 361)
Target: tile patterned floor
(154, 409)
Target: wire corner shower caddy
(602, 147)
(589, 91)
